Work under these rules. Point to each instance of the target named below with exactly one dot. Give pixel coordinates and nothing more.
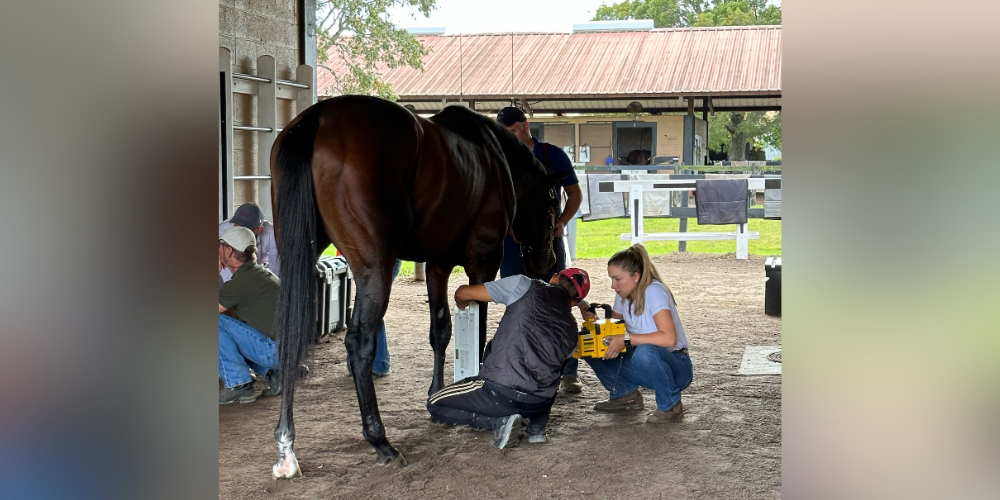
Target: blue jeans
(572, 366)
(382, 344)
(653, 367)
(241, 347)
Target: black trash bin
(772, 290)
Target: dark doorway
(633, 136)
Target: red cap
(580, 279)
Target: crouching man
(522, 364)
(246, 342)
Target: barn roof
(737, 67)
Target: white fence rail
(637, 233)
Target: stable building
(603, 91)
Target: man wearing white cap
(246, 341)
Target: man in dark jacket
(522, 364)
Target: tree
(664, 13)
(360, 33)
(733, 131)
(739, 13)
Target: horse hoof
(287, 467)
(399, 462)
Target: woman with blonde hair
(655, 352)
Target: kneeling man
(245, 341)
(522, 364)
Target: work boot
(508, 431)
(273, 384)
(628, 402)
(535, 435)
(672, 415)
(570, 384)
(242, 393)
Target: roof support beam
(524, 102)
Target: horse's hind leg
(440, 336)
(373, 286)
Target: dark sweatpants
(481, 403)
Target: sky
(492, 16)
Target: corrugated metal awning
(735, 66)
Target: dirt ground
(727, 446)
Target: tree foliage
(361, 35)
(739, 13)
(664, 13)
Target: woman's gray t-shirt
(657, 299)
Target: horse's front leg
(369, 308)
(440, 335)
(485, 269)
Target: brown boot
(628, 402)
(570, 384)
(672, 415)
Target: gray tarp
(603, 205)
(721, 201)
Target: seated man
(522, 364)
(250, 216)
(246, 341)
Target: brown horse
(638, 157)
(380, 183)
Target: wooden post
(267, 116)
(635, 198)
(419, 271)
(682, 245)
(304, 97)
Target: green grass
(601, 239)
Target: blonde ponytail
(635, 259)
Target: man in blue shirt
(555, 160)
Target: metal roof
(739, 63)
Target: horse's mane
(481, 129)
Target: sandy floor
(727, 446)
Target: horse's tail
(294, 319)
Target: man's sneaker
(508, 431)
(536, 435)
(273, 384)
(570, 384)
(672, 415)
(378, 374)
(629, 402)
(242, 393)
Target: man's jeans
(241, 347)
(382, 344)
(653, 367)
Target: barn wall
(250, 29)
(669, 131)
